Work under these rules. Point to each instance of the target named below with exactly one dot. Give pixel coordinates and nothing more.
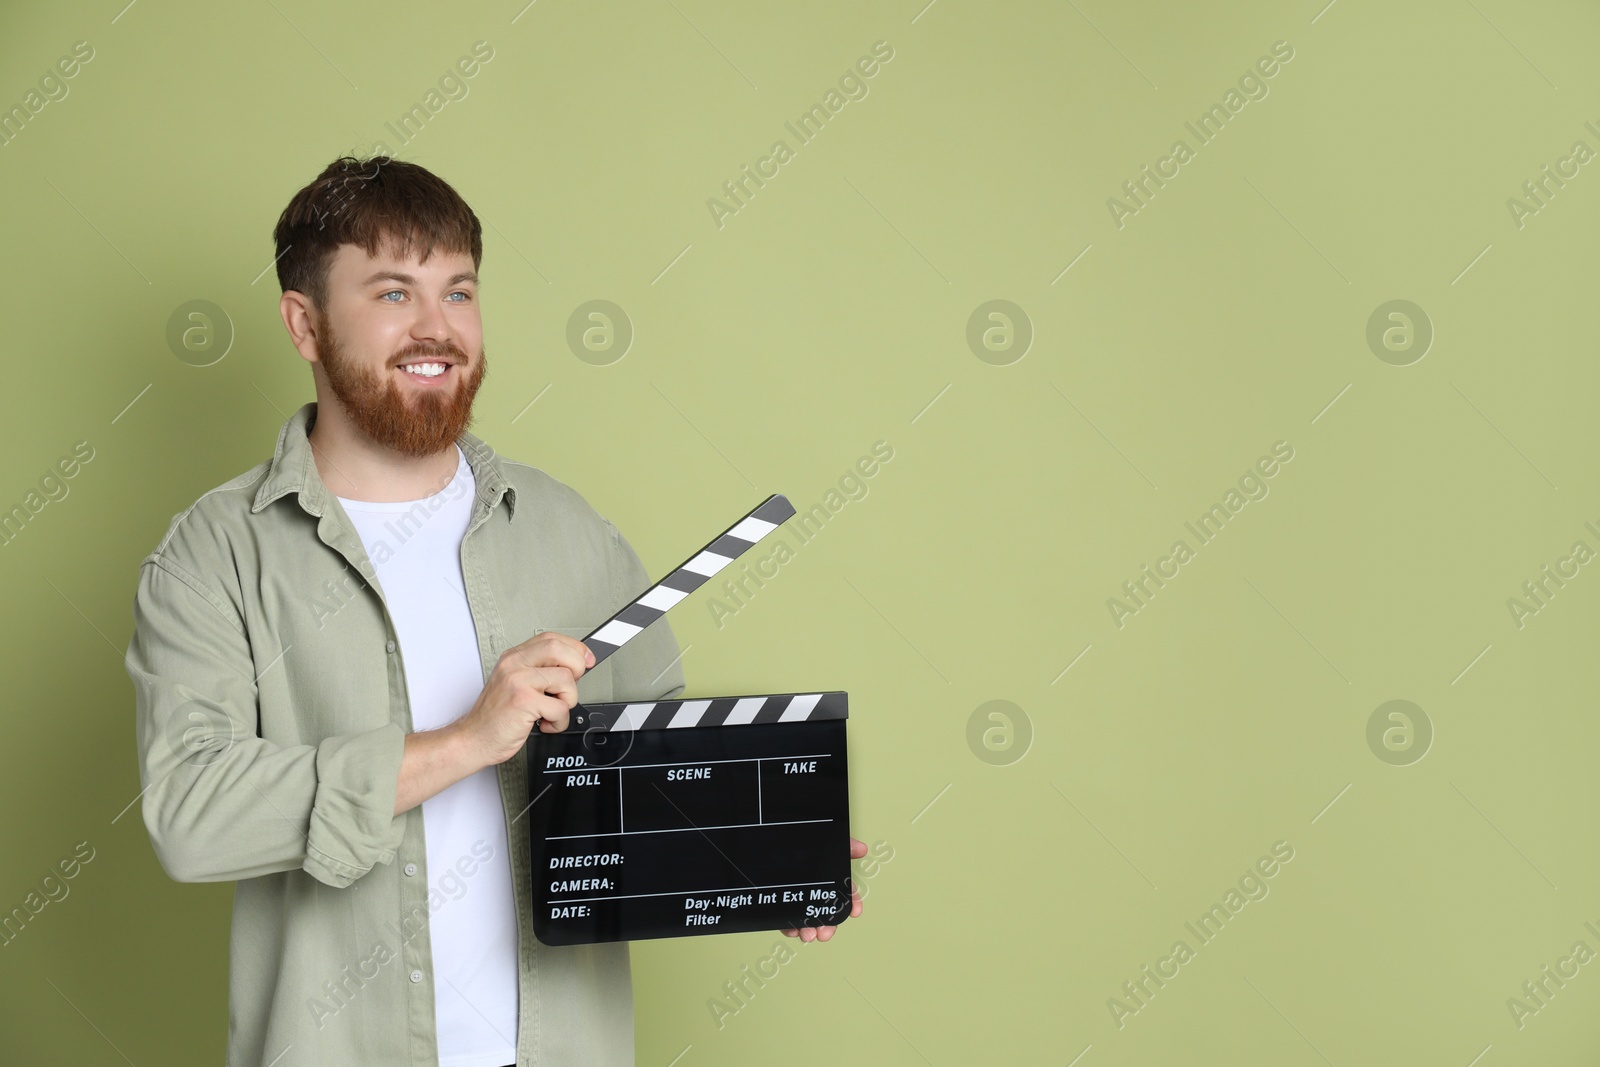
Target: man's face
(386, 312)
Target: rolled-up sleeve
(650, 666)
(221, 803)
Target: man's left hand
(858, 849)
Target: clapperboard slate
(679, 817)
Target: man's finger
(559, 683)
(555, 649)
(554, 715)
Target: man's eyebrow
(407, 279)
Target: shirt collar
(293, 469)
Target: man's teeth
(427, 370)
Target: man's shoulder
(199, 535)
(542, 493)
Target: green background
(832, 312)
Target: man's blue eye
(399, 292)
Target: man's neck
(357, 468)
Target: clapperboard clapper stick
(678, 817)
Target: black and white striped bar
(717, 711)
(688, 576)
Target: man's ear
(299, 318)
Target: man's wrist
(460, 750)
(435, 760)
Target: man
(340, 654)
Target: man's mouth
(426, 372)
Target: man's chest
(330, 648)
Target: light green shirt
(272, 714)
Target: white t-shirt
(416, 548)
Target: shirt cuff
(353, 826)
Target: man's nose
(431, 324)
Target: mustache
(423, 351)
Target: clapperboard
(679, 817)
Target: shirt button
(411, 870)
(389, 646)
(416, 976)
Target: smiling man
(359, 770)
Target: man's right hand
(534, 684)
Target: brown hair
(365, 203)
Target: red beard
(422, 424)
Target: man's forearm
(434, 761)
